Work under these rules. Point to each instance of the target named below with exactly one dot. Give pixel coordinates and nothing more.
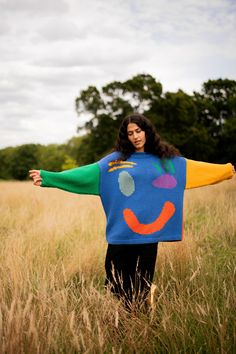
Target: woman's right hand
(35, 175)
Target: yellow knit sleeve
(200, 174)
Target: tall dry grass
(52, 300)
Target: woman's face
(136, 136)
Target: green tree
(6, 156)
(69, 163)
(177, 121)
(216, 106)
(72, 146)
(201, 125)
(25, 157)
(51, 157)
(227, 140)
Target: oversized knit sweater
(142, 196)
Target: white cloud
(60, 29)
(50, 50)
(33, 6)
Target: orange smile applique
(167, 212)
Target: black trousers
(130, 270)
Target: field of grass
(52, 299)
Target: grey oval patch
(126, 183)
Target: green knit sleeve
(80, 180)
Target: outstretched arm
(81, 180)
(200, 174)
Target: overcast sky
(52, 49)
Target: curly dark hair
(153, 145)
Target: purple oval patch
(165, 181)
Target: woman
(141, 185)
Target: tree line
(202, 125)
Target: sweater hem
(144, 241)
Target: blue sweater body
(142, 198)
